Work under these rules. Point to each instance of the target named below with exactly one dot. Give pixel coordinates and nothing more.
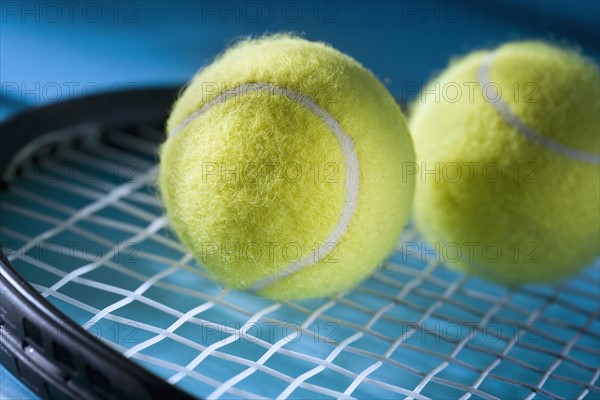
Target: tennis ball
(508, 145)
(282, 171)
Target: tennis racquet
(99, 300)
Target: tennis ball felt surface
(527, 207)
(282, 170)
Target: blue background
(52, 51)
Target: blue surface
(55, 51)
(11, 388)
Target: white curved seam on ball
(347, 147)
(503, 108)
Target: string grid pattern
(85, 227)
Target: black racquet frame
(41, 346)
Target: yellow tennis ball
(508, 145)
(282, 169)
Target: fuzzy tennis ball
(282, 171)
(508, 144)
